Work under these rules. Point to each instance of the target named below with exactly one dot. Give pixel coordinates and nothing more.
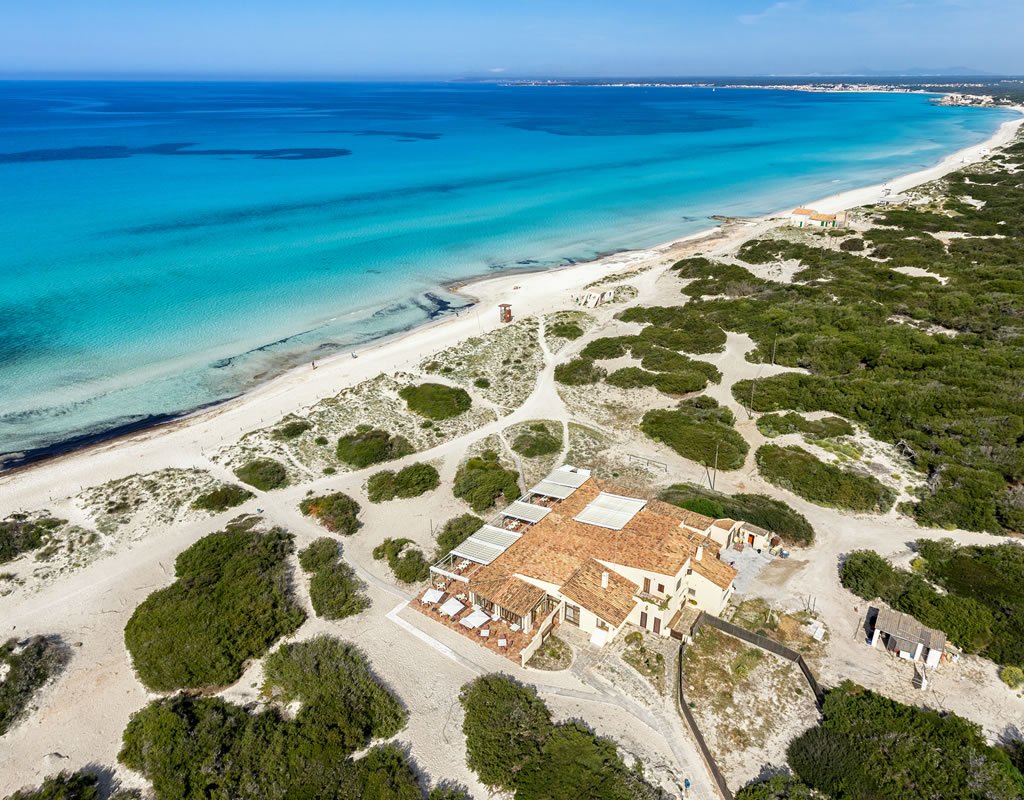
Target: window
(602, 624)
(572, 614)
(485, 604)
(691, 592)
(661, 588)
(689, 571)
(679, 584)
(508, 616)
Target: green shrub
(436, 401)
(757, 509)
(537, 441)
(454, 532)
(795, 469)
(677, 328)
(700, 430)
(772, 425)
(200, 747)
(292, 429)
(321, 440)
(410, 481)
(28, 668)
(366, 445)
(779, 787)
(927, 754)
(1012, 676)
(20, 534)
(64, 786)
(579, 372)
(853, 245)
(709, 278)
(232, 599)
(263, 473)
(407, 563)
(565, 330)
(334, 590)
(221, 498)
(482, 480)
(482, 383)
(512, 745)
(337, 512)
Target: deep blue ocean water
(168, 245)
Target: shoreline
(479, 290)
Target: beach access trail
(80, 717)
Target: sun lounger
(485, 632)
(432, 596)
(474, 620)
(451, 607)
(502, 642)
(513, 627)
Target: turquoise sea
(164, 246)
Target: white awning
(527, 512)
(451, 607)
(610, 511)
(496, 536)
(566, 477)
(431, 596)
(478, 551)
(547, 488)
(475, 620)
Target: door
(643, 619)
(657, 624)
(572, 614)
(750, 538)
(647, 585)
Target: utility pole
(715, 478)
(774, 343)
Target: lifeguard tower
(505, 312)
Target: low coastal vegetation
(435, 401)
(334, 590)
(795, 469)
(22, 533)
(337, 512)
(25, 667)
(410, 481)
(579, 372)
(191, 747)
(700, 430)
(482, 480)
(221, 498)
(367, 445)
(537, 441)
(292, 428)
(674, 328)
(772, 425)
(455, 531)
(407, 563)
(978, 602)
(757, 509)
(264, 474)
(232, 599)
(74, 786)
(868, 746)
(513, 746)
(663, 368)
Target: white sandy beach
(81, 717)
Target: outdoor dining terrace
(455, 612)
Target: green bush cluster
(334, 590)
(757, 509)
(869, 746)
(410, 481)
(700, 430)
(709, 278)
(407, 563)
(779, 787)
(20, 534)
(221, 498)
(665, 369)
(454, 532)
(772, 425)
(263, 473)
(674, 328)
(292, 429)
(367, 445)
(80, 785)
(513, 745)
(943, 397)
(435, 400)
(579, 372)
(795, 469)
(201, 747)
(537, 441)
(231, 600)
(565, 330)
(30, 665)
(337, 512)
(482, 480)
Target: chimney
(700, 553)
(604, 580)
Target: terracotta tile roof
(716, 571)
(690, 518)
(805, 211)
(724, 523)
(511, 593)
(612, 604)
(554, 548)
(823, 217)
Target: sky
(324, 39)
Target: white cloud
(496, 69)
(775, 8)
